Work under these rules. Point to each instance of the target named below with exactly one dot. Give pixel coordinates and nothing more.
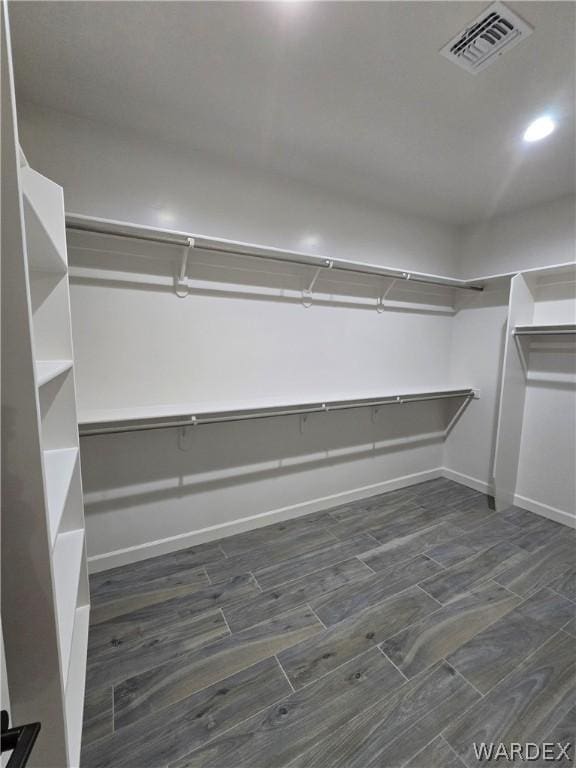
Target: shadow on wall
(132, 469)
(144, 266)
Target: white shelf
(76, 683)
(561, 329)
(58, 468)
(45, 235)
(68, 552)
(46, 370)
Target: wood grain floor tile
(126, 658)
(437, 754)
(459, 548)
(313, 658)
(565, 584)
(563, 733)
(126, 628)
(98, 722)
(270, 555)
(396, 728)
(300, 565)
(363, 519)
(348, 600)
(282, 598)
(492, 654)
(167, 683)
(405, 547)
(280, 734)
(119, 580)
(571, 628)
(147, 592)
(446, 629)
(523, 707)
(277, 533)
(460, 578)
(173, 733)
(538, 569)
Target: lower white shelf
(58, 469)
(76, 684)
(68, 552)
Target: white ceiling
(352, 96)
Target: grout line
(463, 678)
(284, 673)
(553, 589)
(391, 662)
(256, 581)
(210, 583)
(431, 596)
(225, 622)
(424, 554)
(366, 564)
(425, 747)
(315, 614)
(450, 747)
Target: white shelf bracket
(380, 306)
(181, 287)
(185, 434)
(307, 292)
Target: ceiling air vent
(490, 35)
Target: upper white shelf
(46, 370)
(45, 234)
(561, 329)
(98, 226)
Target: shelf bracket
(185, 433)
(380, 306)
(307, 292)
(181, 286)
(374, 414)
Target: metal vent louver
(495, 31)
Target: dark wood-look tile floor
(395, 631)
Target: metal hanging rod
(77, 223)
(218, 417)
(545, 330)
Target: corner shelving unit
(52, 344)
(45, 595)
(524, 327)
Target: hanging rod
(545, 330)
(218, 417)
(77, 223)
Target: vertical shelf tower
(45, 596)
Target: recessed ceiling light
(539, 129)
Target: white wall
(245, 339)
(244, 336)
(106, 172)
(534, 237)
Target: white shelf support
(181, 287)
(380, 305)
(307, 295)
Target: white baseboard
(118, 557)
(470, 482)
(552, 513)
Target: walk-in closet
(288, 384)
